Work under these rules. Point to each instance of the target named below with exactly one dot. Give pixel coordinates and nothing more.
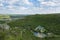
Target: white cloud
(26, 1)
(49, 3)
(56, 1)
(41, 0)
(1, 5)
(30, 9)
(23, 8)
(12, 1)
(10, 7)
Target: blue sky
(29, 6)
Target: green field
(4, 16)
(20, 29)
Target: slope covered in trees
(51, 22)
(21, 29)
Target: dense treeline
(50, 22)
(20, 28)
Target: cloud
(49, 3)
(41, 0)
(23, 8)
(26, 2)
(1, 5)
(29, 6)
(10, 7)
(11, 1)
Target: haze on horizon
(29, 6)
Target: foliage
(21, 29)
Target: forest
(20, 29)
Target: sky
(29, 6)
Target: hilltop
(51, 22)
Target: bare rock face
(4, 26)
(42, 33)
(40, 28)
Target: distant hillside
(4, 16)
(51, 22)
(17, 16)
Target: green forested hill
(4, 16)
(51, 22)
(20, 29)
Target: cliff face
(4, 26)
